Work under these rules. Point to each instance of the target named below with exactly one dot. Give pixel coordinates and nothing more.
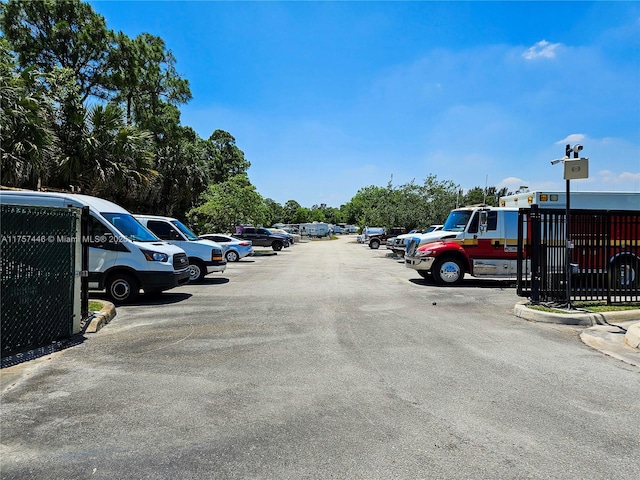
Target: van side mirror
(483, 221)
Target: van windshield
(457, 220)
(185, 230)
(130, 227)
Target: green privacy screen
(37, 253)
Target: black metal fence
(604, 255)
(39, 249)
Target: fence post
(84, 278)
(534, 222)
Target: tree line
(87, 109)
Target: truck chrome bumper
(419, 263)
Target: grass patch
(264, 253)
(594, 307)
(95, 306)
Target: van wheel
(232, 256)
(447, 271)
(375, 244)
(122, 288)
(277, 246)
(197, 270)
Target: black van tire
(122, 288)
(277, 246)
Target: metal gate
(40, 254)
(604, 255)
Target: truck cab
(481, 241)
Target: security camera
(556, 161)
(576, 148)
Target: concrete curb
(101, 318)
(632, 337)
(611, 340)
(612, 333)
(578, 318)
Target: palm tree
(27, 142)
(118, 158)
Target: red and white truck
(483, 241)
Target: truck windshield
(130, 227)
(457, 220)
(185, 230)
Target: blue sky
(325, 98)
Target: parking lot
(325, 360)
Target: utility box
(577, 168)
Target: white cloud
(510, 181)
(542, 49)
(513, 184)
(629, 176)
(574, 137)
(623, 179)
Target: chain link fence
(40, 253)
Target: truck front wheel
(375, 244)
(277, 246)
(447, 271)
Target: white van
(123, 255)
(205, 256)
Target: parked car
(234, 248)
(377, 239)
(399, 244)
(292, 230)
(293, 238)
(433, 228)
(205, 256)
(124, 256)
(261, 237)
(367, 232)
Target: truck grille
(399, 243)
(412, 246)
(180, 261)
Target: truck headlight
(424, 252)
(155, 256)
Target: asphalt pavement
(616, 334)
